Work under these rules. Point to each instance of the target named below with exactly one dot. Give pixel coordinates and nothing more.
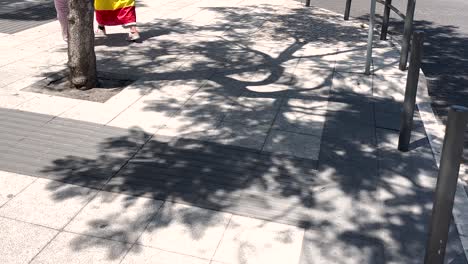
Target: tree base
(59, 84)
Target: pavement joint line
(221, 240)
(126, 108)
(92, 198)
(36, 178)
(170, 251)
(271, 125)
(26, 222)
(144, 229)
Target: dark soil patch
(59, 85)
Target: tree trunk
(81, 56)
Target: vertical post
(307, 3)
(407, 31)
(410, 92)
(370, 37)
(446, 185)
(347, 10)
(386, 19)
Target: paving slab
(350, 83)
(48, 105)
(248, 240)
(146, 255)
(74, 248)
(115, 216)
(186, 229)
(346, 247)
(295, 144)
(255, 109)
(48, 203)
(22, 241)
(11, 184)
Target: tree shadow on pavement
(362, 200)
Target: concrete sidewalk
(249, 136)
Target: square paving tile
(326, 246)
(351, 60)
(190, 124)
(148, 120)
(304, 122)
(299, 145)
(389, 88)
(47, 203)
(11, 184)
(14, 100)
(49, 105)
(238, 134)
(253, 111)
(22, 241)
(186, 229)
(74, 248)
(146, 255)
(351, 83)
(115, 216)
(311, 83)
(317, 56)
(249, 240)
(93, 112)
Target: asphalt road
(445, 24)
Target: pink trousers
(62, 14)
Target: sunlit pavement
(249, 136)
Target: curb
(435, 132)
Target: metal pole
(370, 37)
(410, 92)
(307, 3)
(407, 31)
(386, 19)
(347, 9)
(446, 185)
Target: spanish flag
(115, 12)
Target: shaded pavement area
(250, 136)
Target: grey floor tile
(354, 133)
(239, 134)
(22, 241)
(115, 216)
(47, 203)
(392, 120)
(146, 255)
(249, 240)
(326, 246)
(186, 229)
(73, 248)
(303, 122)
(11, 184)
(299, 145)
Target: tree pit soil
(58, 84)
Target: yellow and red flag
(115, 12)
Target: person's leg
(101, 30)
(134, 34)
(62, 15)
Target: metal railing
(408, 27)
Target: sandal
(133, 36)
(101, 31)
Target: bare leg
(62, 14)
(134, 35)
